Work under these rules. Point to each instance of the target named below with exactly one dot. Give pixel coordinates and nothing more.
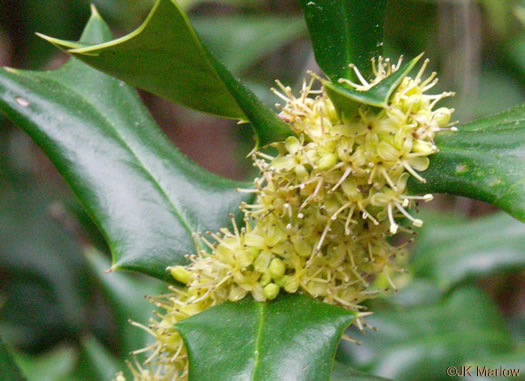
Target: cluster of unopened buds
(325, 206)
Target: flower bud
(442, 116)
(271, 291)
(180, 274)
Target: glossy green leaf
(143, 194)
(419, 343)
(126, 294)
(345, 373)
(166, 57)
(345, 32)
(56, 364)
(292, 338)
(452, 252)
(9, 371)
(237, 40)
(484, 160)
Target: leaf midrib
(261, 309)
(144, 168)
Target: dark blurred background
(49, 296)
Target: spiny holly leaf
(143, 194)
(166, 57)
(345, 32)
(292, 338)
(452, 251)
(484, 160)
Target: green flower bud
(180, 274)
(442, 116)
(271, 291)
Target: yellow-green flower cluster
(325, 206)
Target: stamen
(417, 222)
(388, 179)
(347, 173)
(393, 225)
(413, 172)
(265, 156)
(240, 190)
(313, 195)
(323, 236)
(422, 70)
(348, 220)
(334, 216)
(390, 281)
(359, 76)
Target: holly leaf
(144, 195)
(483, 160)
(345, 32)
(166, 57)
(292, 338)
